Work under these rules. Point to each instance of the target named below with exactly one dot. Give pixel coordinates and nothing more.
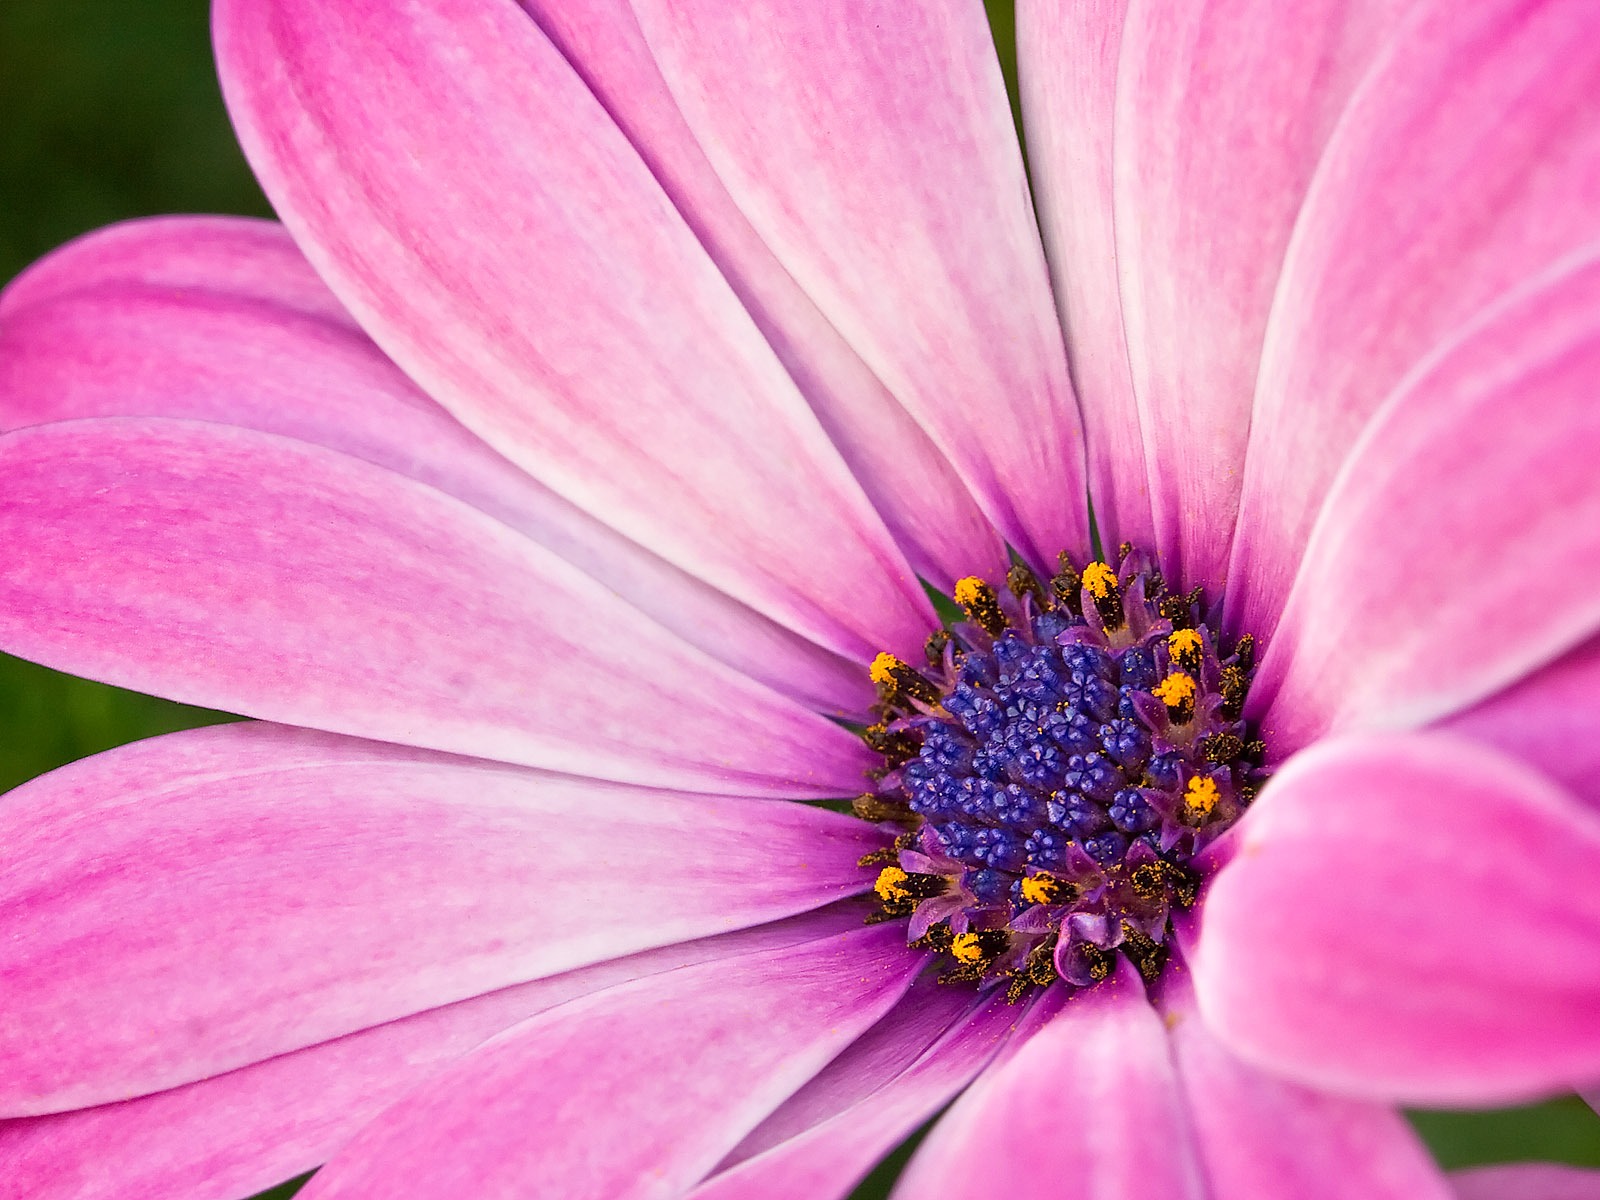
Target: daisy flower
(766, 622)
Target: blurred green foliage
(112, 111)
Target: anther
(1233, 686)
(1185, 647)
(898, 682)
(1100, 581)
(983, 946)
(896, 746)
(1219, 748)
(1200, 797)
(1067, 585)
(1146, 953)
(1045, 888)
(896, 885)
(1177, 692)
(870, 806)
(1021, 583)
(981, 604)
(933, 648)
(1149, 880)
(1244, 652)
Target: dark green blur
(112, 111)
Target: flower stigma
(1052, 772)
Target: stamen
(1177, 692)
(1184, 647)
(898, 682)
(1100, 581)
(982, 606)
(1201, 796)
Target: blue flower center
(1053, 772)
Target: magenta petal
(1526, 1181)
(1091, 1098)
(264, 576)
(637, 1091)
(827, 1136)
(237, 1133)
(1467, 163)
(462, 191)
(1457, 550)
(1409, 917)
(1264, 1138)
(198, 902)
(231, 340)
(1067, 56)
(923, 502)
(871, 146)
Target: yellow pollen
(1183, 641)
(884, 666)
(966, 947)
(891, 884)
(1200, 797)
(1174, 689)
(1039, 889)
(968, 590)
(1100, 579)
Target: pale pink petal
(1222, 112)
(634, 1092)
(213, 349)
(237, 1133)
(1090, 1103)
(1526, 1181)
(198, 256)
(871, 147)
(1550, 720)
(1067, 56)
(1263, 1138)
(463, 192)
(1467, 163)
(829, 1157)
(265, 576)
(1413, 918)
(192, 904)
(923, 502)
(1457, 548)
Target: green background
(111, 110)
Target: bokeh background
(110, 110)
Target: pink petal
(636, 1091)
(191, 904)
(259, 575)
(1526, 1181)
(871, 147)
(1409, 917)
(925, 505)
(1468, 162)
(1092, 1098)
(1548, 720)
(212, 347)
(463, 192)
(1264, 1138)
(1222, 112)
(827, 1136)
(235, 1134)
(1455, 551)
(1067, 56)
(198, 256)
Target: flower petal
(827, 1136)
(259, 575)
(1457, 550)
(636, 1091)
(1092, 1097)
(871, 147)
(1222, 111)
(1067, 56)
(923, 502)
(247, 890)
(237, 1133)
(1264, 1138)
(1526, 1181)
(1413, 918)
(1467, 163)
(462, 191)
(230, 342)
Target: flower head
(558, 486)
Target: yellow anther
(1175, 690)
(1201, 796)
(891, 885)
(967, 947)
(1100, 579)
(883, 667)
(1040, 889)
(969, 590)
(1183, 642)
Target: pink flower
(747, 314)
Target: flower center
(1053, 772)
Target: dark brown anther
(899, 683)
(1255, 751)
(1124, 550)
(981, 603)
(1149, 880)
(1067, 586)
(882, 857)
(933, 648)
(1098, 961)
(870, 806)
(1235, 684)
(1021, 583)
(1244, 652)
(938, 939)
(896, 746)
(1144, 952)
(1176, 610)
(1185, 886)
(1247, 792)
(964, 973)
(1221, 748)
(887, 913)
